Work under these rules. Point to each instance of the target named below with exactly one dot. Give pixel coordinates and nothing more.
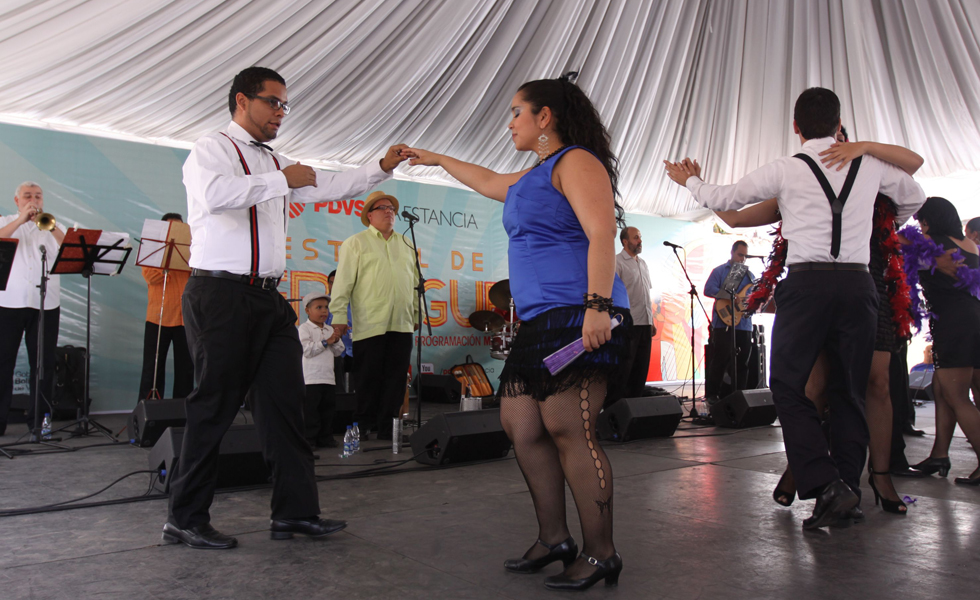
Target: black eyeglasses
(275, 103)
(386, 208)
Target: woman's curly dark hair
(576, 121)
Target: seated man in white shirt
(827, 302)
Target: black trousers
(318, 411)
(718, 382)
(835, 311)
(641, 336)
(381, 368)
(14, 324)
(898, 384)
(243, 341)
(183, 366)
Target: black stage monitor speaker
(240, 460)
(151, 417)
(344, 415)
(460, 437)
(443, 389)
(637, 418)
(745, 408)
(920, 386)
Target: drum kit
(501, 323)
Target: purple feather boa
(920, 255)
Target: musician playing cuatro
(720, 336)
(20, 305)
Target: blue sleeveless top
(548, 253)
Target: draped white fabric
(715, 80)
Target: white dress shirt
(636, 277)
(317, 359)
(805, 210)
(220, 197)
(25, 273)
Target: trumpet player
(20, 302)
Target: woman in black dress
(948, 274)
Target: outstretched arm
(757, 215)
(842, 153)
(480, 179)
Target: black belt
(266, 283)
(828, 266)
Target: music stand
(164, 245)
(728, 291)
(90, 252)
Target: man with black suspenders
(827, 302)
(241, 332)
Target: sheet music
(151, 248)
(109, 238)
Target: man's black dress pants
(835, 311)
(243, 341)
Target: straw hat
(371, 200)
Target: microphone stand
(694, 294)
(423, 309)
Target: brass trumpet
(45, 221)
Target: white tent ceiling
(712, 79)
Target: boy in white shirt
(320, 345)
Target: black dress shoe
(565, 552)
(854, 516)
(909, 430)
(202, 537)
(608, 569)
(283, 529)
(908, 472)
(833, 502)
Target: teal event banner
(115, 185)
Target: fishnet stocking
(555, 441)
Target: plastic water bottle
(46, 427)
(355, 439)
(396, 435)
(348, 436)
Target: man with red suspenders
(240, 330)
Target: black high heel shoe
(608, 569)
(565, 552)
(781, 496)
(933, 465)
(893, 506)
(973, 479)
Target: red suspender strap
(253, 216)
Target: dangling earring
(542, 146)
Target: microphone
(409, 217)
(673, 245)
(44, 251)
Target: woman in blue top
(561, 218)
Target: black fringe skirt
(524, 373)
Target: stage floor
(694, 519)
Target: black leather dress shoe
(909, 430)
(608, 569)
(202, 537)
(833, 502)
(854, 516)
(283, 529)
(565, 551)
(907, 472)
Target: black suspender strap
(836, 202)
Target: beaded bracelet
(597, 302)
